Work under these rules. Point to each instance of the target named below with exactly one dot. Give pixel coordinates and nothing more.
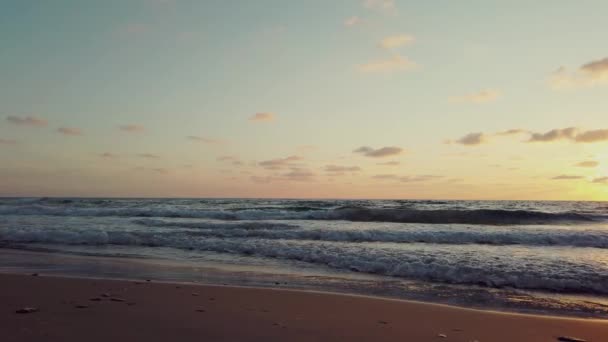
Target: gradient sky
(327, 99)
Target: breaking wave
(480, 266)
(357, 214)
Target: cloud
(299, 175)
(203, 139)
(231, 159)
(592, 136)
(339, 169)
(159, 170)
(587, 163)
(387, 6)
(70, 131)
(148, 156)
(390, 163)
(472, 139)
(600, 180)
(8, 142)
(597, 69)
(482, 96)
(279, 163)
(132, 128)
(391, 64)
(108, 155)
(262, 117)
(393, 42)
(379, 153)
(27, 121)
(588, 74)
(567, 177)
(513, 131)
(306, 148)
(353, 21)
(553, 135)
(295, 175)
(407, 179)
(572, 134)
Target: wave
(355, 214)
(491, 268)
(426, 234)
(246, 226)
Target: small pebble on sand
(570, 339)
(27, 310)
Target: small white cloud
(393, 42)
(393, 63)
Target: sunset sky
(324, 99)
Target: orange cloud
(482, 96)
(587, 163)
(262, 117)
(600, 180)
(27, 121)
(567, 177)
(70, 131)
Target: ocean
(526, 256)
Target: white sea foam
(486, 266)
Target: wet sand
(71, 309)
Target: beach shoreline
(72, 309)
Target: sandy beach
(70, 309)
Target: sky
(304, 99)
